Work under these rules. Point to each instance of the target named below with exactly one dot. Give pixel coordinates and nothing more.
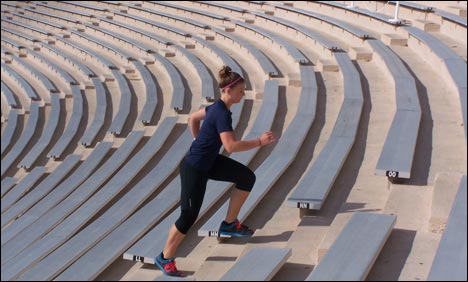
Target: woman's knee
(248, 181)
(186, 221)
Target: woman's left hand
(267, 138)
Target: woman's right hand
(267, 138)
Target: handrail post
(395, 19)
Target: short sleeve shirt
(205, 148)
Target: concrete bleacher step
(207, 36)
(7, 57)
(212, 268)
(248, 20)
(427, 26)
(360, 54)
(267, 262)
(228, 28)
(443, 196)
(188, 44)
(458, 10)
(294, 79)
(411, 204)
(166, 53)
(310, 229)
(267, 12)
(107, 77)
(84, 85)
(335, 228)
(65, 34)
(393, 39)
(324, 65)
(127, 70)
(416, 246)
(34, 47)
(147, 61)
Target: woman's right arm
(194, 121)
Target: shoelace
(240, 226)
(170, 266)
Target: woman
(204, 162)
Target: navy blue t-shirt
(205, 148)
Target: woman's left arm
(232, 145)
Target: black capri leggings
(194, 186)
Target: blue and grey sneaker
(235, 229)
(168, 266)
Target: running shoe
(168, 266)
(235, 229)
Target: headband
(232, 83)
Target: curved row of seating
(40, 190)
(9, 96)
(46, 137)
(24, 242)
(72, 127)
(19, 35)
(47, 7)
(60, 193)
(34, 30)
(27, 89)
(39, 22)
(19, 146)
(396, 158)
(7, 184)
(23, 186)
(39, 76)
(10, 128)
(89, 137)
(453, 64)
(314, 187)
(52, 16)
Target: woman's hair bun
(225, 72)
(227, 77)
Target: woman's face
(237, 92)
